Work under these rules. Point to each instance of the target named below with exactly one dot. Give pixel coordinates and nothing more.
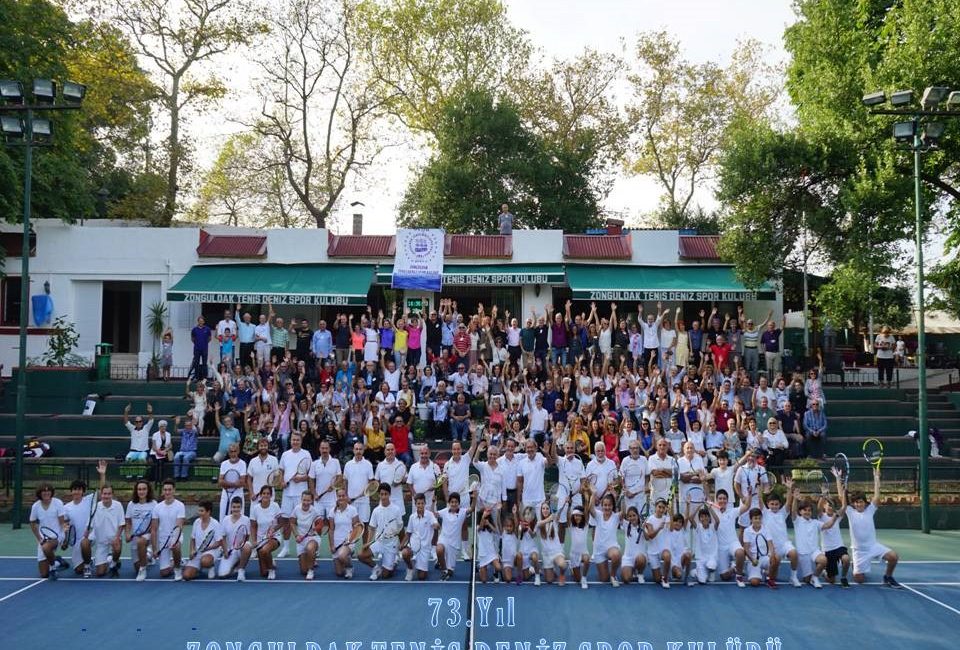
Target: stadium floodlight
(904, 131)
(73, 92)
(874, 99)
(11, 92)
(44, 91)
(901, 97)
(42, 130)
(932, 96)
(953, 101)
(933, 131)
(11, 127)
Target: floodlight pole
(922, 435)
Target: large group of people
(665, 440)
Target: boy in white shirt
(168, 519)
(863, 534)
(704, 523)
(452, 521)
(775, 521)
(383, 547)
(760, 550)
(830, 539)
(206, 543)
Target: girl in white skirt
(529, 551)
(510, 551)
(554, 561)
(579, 554)
(634, 547)
(488, 560)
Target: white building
(104, 275)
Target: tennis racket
(94, 504)
(413, 542)
(171, 540)
(69, 538)
(491, 489)
(303, 468)
(399, 474)
(696, 496)
(554, 497)
(373, 487)
(272, 529)
(143, 525)
(613, 480)
(761, 549)
(842, 465)
(440, 462)
(48, 534)
(390, 530)
(873, 452)
(205, 544)
(240, 536)
(275, 479)
(644, 513)
(675, 481)
(230, 479)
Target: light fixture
(11, 127)
(11, 92)
(953, 101)
(933, 95)
(904, 131)
(73, 92)
(42, 130)
(901, 97)
(874, 98)
(933, 131)
(44, 91)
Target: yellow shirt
(400, 340)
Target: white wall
(541, 246)
(655, 247)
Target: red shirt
(461, 342)
(399, 436)
(720, 354)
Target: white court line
(31, 586)
(932, 599)
(258, 581)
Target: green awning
(668, 283)
(490, 274)
(280, 284)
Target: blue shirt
(228, 436)
(200, 337)
(446, 333)
(188, 440)
(321, 344)
(245, 332)
(814, 422)
(696, 339)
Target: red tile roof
(361, 246)
(231, 245)
(597, 247)
(479, 246)
(699, 247)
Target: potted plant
(804, 469)
(156, 324)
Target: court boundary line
(38, 581)
(328, 559)
(932, 599)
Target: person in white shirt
(47, 524)
(235, 487)
(393, 472)
(634, 561)
(103, 540)
(775, 521)
(806, 531)
(260, 467)
(661, 472)
(650, 329)
(294, 484)
(382, 548)
(693, 472)
(705, 523)
(237, 546)
(760, 549)
(261, 339)
(207, 543)
(530, 470)
(863, 534)
(139, 434)
(656, 531)
(358, 472)
(554, 561)
(76, 514)
(456, 472)
(751, 482)
(571, 474)
(730, 555)
(509, 460)
(606, 547)
(323, 480)
(776, 443)
(265, 530)
(492, 492)
(830, 539)
(453, 519)
(139, 517)
(304, 519)
(423, 525)
(344, 532)
(167, 524)
(634, 470)
(422, 478)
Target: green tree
(680, 114)
(852, 295)
(426, 51)
(486, 156)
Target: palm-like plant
(156, 323)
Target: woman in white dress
(554, 561)
(488, 560)
(606, 547)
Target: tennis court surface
(331, 614)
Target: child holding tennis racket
(806, 529)
(453, 520)
(705, 541)
(307, 526)
(775, 521)
(421, 529)
(139, 518)
(206, 543)
(488, 559)
(863, 534)
(383, 545)
(265, 530)
(344, 532)
(554, 561)
(236, 531)
(634, 547)
(166, 529)
(47, 524)
(759, 547)
(730, 554)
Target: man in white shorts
(167, 532)
(571, 473)
(423, 526)
(103, 541)
(386, 524)
(294, 485)
(358, 472)
(863, 534)
(530, 470)
(730, 555)
(323, 472)
(206, 543)
(422, 478)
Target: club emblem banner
(419, 259)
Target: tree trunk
(170, 205)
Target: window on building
(11, 301)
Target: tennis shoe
(496, 578)
(464, 555)
(795, 581)
(891, 582)
(309, 575)
(536, 579)
(284, 549)
(177, 574)
(211, 573)
(52, 573)
(375, 574)
(740, 582)
(665, 583)
(640, 579)
(272, 574)
(844, 583)
(690, 581)
(141, 574)
(583, 583)
(614, 582)
(87, 572)
(348, 573)
(815, 581)
(241, 575)
(409, 576)
(115, 570)
(771, 583)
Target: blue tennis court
(332, 614)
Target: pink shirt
(413, 337)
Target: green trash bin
(102, 360)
